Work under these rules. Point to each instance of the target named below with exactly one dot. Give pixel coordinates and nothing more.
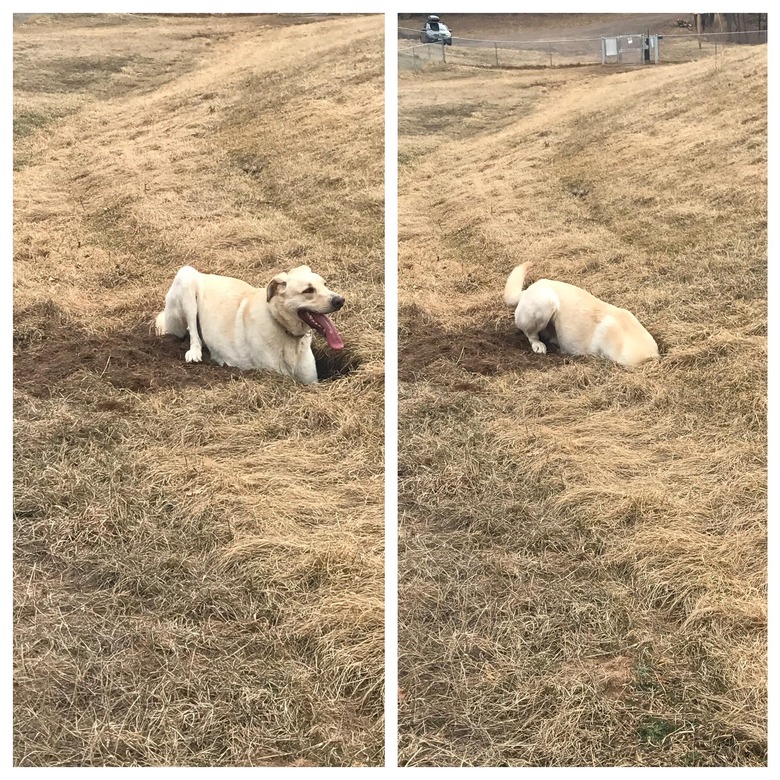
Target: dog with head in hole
(575, 321)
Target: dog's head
(300, 300)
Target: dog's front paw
(194, 355)
(539, 347)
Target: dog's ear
(276, 286)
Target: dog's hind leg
(189, 306)
(534, 314)
(181, 312)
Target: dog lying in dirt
(576, 321)
(252, 327)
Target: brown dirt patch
(488, 348)
(134, 358)
(530, 27)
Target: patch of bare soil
(487, 348)
(528, 27)
(133, 358)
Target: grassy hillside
(198, 550)
(583, 548)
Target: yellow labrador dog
(578, 322)
(252, 327)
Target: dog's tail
(514, 285)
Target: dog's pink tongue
(328, 330)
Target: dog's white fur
(248, 327)
(582, 323)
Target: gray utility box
(630, 49)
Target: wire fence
(683, 47)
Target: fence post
(443, 55)
(496, 45)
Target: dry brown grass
(582, 548)
(198, 551)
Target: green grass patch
(655, 730)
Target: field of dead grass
(582, 547)
(198, 551)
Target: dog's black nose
(336, 302)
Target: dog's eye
(308, 291)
